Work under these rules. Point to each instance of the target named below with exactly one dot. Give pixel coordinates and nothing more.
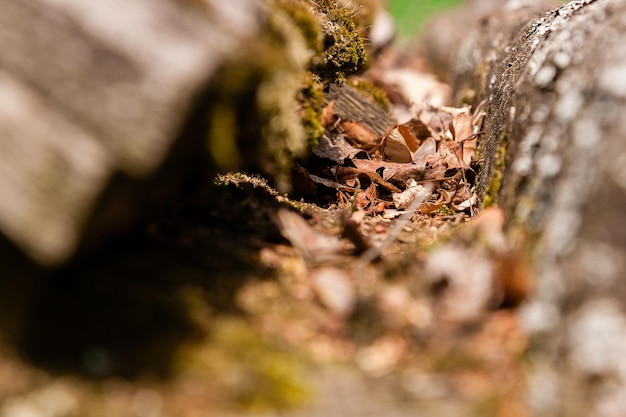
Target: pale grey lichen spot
(569, 104)
(541, 113)
(597, 337)
(550, 283)
(539, 316)
(562, 59)
(586, 133)
(523, 164)
(549, 165)
(545, 76)
(561, 230)
(612, 80)
(600, 263)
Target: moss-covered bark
(554, 106)
(265, 104)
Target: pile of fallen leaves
(432, 156)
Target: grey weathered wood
(90, 88)
(556, 89)
(351, 105)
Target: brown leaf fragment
(469, 150)
(451, 153)
(358, 134)
(394, 147)
(467, 204)
(329, 183)
(427, 148)
(462, 127)
(393, 171)
(328, 115)
(419, 129)
(367, 198)
(409, 137)
(430, 207)
(436, 120)
(313, 246)
(462, 193)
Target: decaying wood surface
(88, 89)
(553, 152)
(349, 104)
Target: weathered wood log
(90, 91)
(553, 157)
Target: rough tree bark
(553, 149)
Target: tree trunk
(553, 152)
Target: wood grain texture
(88, 89)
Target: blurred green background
(410, 14)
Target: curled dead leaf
(394, 147)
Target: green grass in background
(410, 14)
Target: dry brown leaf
(436, 120)
(419, 129)
(469, 150)
(392, 171)
(462, 127)
(328, 115)
(409, 136)
(427, 148)
(312, 245)
(451, 153)
(358, 134)
(395, 148)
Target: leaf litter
(422, 288)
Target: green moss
(246, 370)
(497, 174)
(311, 100)
(344, 49)
(265, 105)
(253, 119)
(302, 15)
(445, 211)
